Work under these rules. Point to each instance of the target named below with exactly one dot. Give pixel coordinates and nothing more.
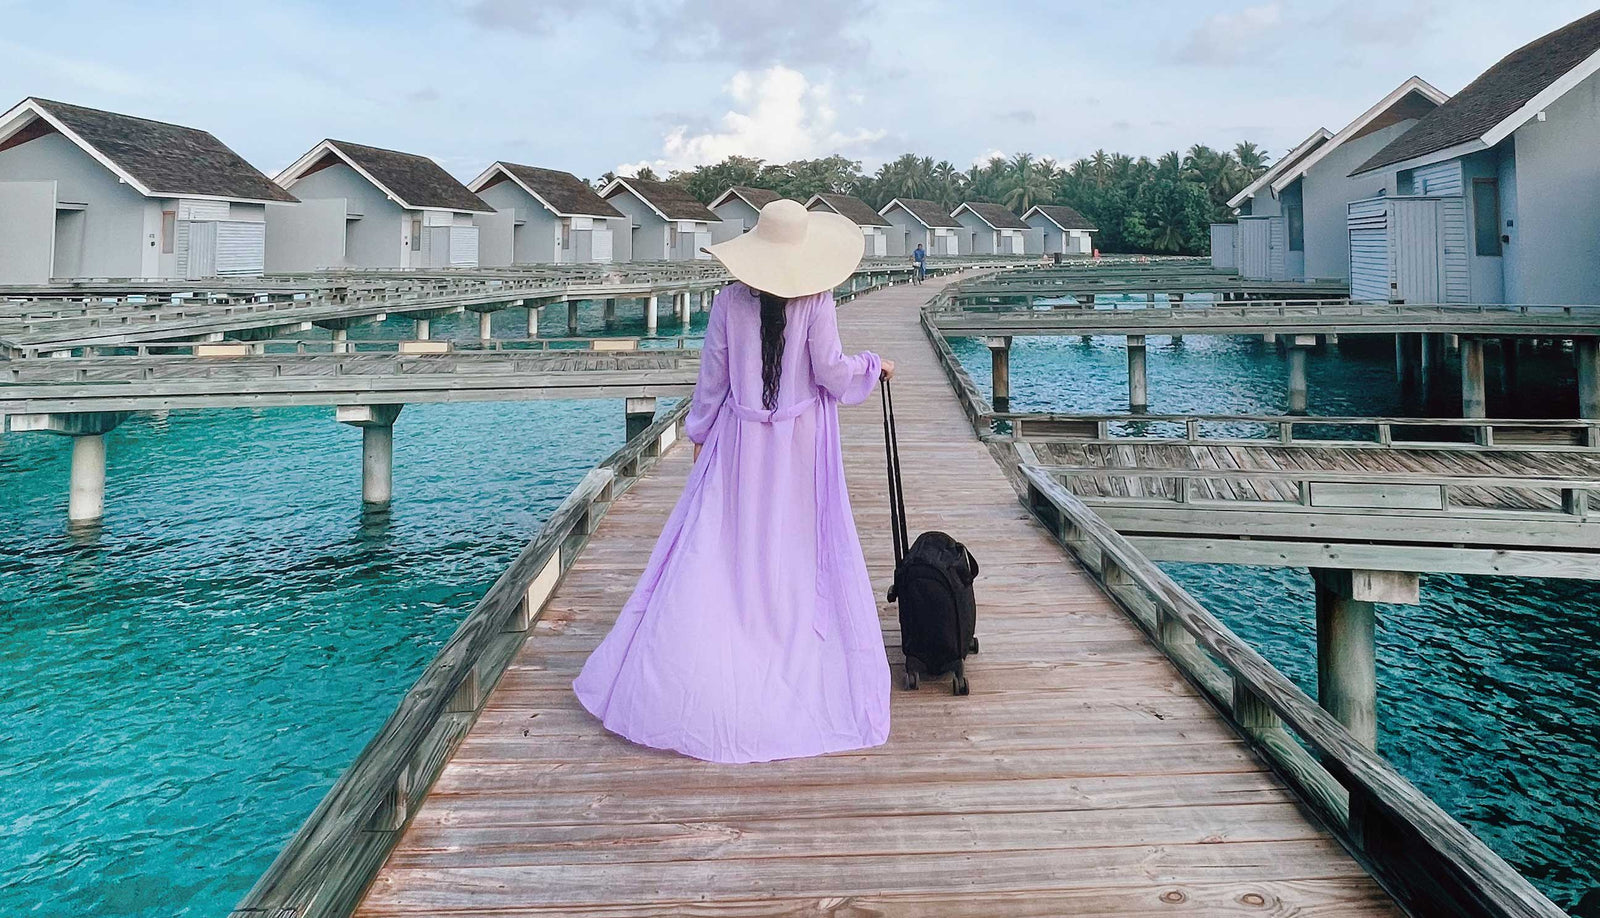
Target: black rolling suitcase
(932, 585)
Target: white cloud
(778, 115)
(745, 32)
(983, 159)
(1225, 39)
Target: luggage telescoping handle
(897, 494)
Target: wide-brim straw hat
(792, 251)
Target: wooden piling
(1474, 401)
(1347, 681)
(1138, 381)
(1586, 351)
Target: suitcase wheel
(911, 679)
(959, 685)
(973, 646)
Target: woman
(753, 633)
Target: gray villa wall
(737, 219)
(1555, 242)
(905, 232)
(977, 237)
(117, 225)
(535, 241)
(381, 238)
(305, 237)
(1328, 188)
(649, 236)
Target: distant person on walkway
(753, 633)
(920, 258)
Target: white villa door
(1417, 252)
(202, 250)
(1253, 249)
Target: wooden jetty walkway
(1082, 776)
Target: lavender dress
(753, 633)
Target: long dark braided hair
(774, 315)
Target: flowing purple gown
(753, 634)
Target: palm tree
(1100, 168)
(1026, 183)
(1252, 160)
(1170, 165)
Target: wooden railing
(976, 407)
(1346, 490)
(1285, 430)
(329, 863)
(1433, 865)
(57, 323)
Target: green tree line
(1163, 205)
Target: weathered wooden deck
(1396, 465)
(1083, 776)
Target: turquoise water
(1489, 691)
(180, 687)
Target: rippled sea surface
(179, 688)
(1489, 691)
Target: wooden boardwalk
(1083, 776)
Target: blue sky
(590, 85)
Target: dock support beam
(572, 318)
(1000, 370)
(1347, 677)
(640, 413)
(485, 321)
(682, 301)
(1474, 401)
(424, 328)
(1138, 379)
(1298, 346)
(650, 305)
(341, 341)
(1408, 365)
(86, 488)
(610, 312)
(86, 492)
(533, 320)
(1587, 353)
(377, 448)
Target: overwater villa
(1310, 194)
(367, 207)
(738, 208)
(1059, 229)
(542, 216)
(915, 222)
(990, 229)
(667, 223)
(1256, 244)
(874, 236)
(89, 192)
(1494, 196)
